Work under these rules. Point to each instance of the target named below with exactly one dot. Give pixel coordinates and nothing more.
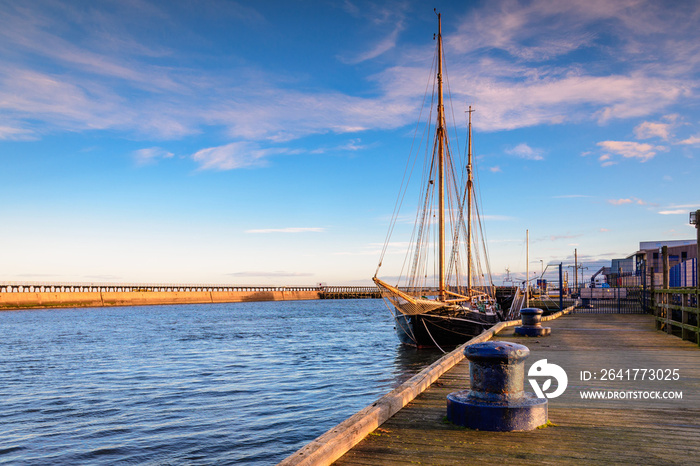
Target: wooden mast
(469, 208)
(441, 169)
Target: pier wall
(32, 300)
(32, 295)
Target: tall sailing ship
(444, 294)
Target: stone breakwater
(95, 297)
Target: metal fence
(626, 294)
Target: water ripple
(245, 383)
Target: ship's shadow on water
(244, 383)
(409, 361)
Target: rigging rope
(431, 337)
(404, 187)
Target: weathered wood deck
(629, 431)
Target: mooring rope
(412, 336)
(431, 337)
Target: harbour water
(243, 383)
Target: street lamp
(695, 220)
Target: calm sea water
(244, 383)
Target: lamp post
(695, 220)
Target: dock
(640, 420)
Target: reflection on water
(409, 361)
(244, 383)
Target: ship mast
(469, 208)
(441, 168)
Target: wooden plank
(587, 431)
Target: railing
(62, 287)
(516, 306)
(677, 311)
(349, 292)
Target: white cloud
(351, 146)
(649, 129)
(630, 149)
(151, 155)
(385, 44)
(518, 88)
(619, 201)
(524, 151)
(11, 133)
(623, 201)
(692, 140)
(673, 212)
(231, 156)
(685, 206)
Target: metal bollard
(496, 401)
(532, 327)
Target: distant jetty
(24, 295)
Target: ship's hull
(425, 330)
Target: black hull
(424, 331)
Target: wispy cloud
(623, 201)
(650, 129)
(380, 17)
(678, 209)
(111, 80)
(231, 156)
(288, 230)
(528, 88)
(619, 201)
(630, 150)
(526, 152)
(151, 155)
(352, 145)
(10, 133)
(674, 212)
(385, 44)
(686, 206)
(692, 140)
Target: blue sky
(264, 142)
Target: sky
(263, 143)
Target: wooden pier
(623, 429)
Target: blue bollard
(532, 327)
(496, 401)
